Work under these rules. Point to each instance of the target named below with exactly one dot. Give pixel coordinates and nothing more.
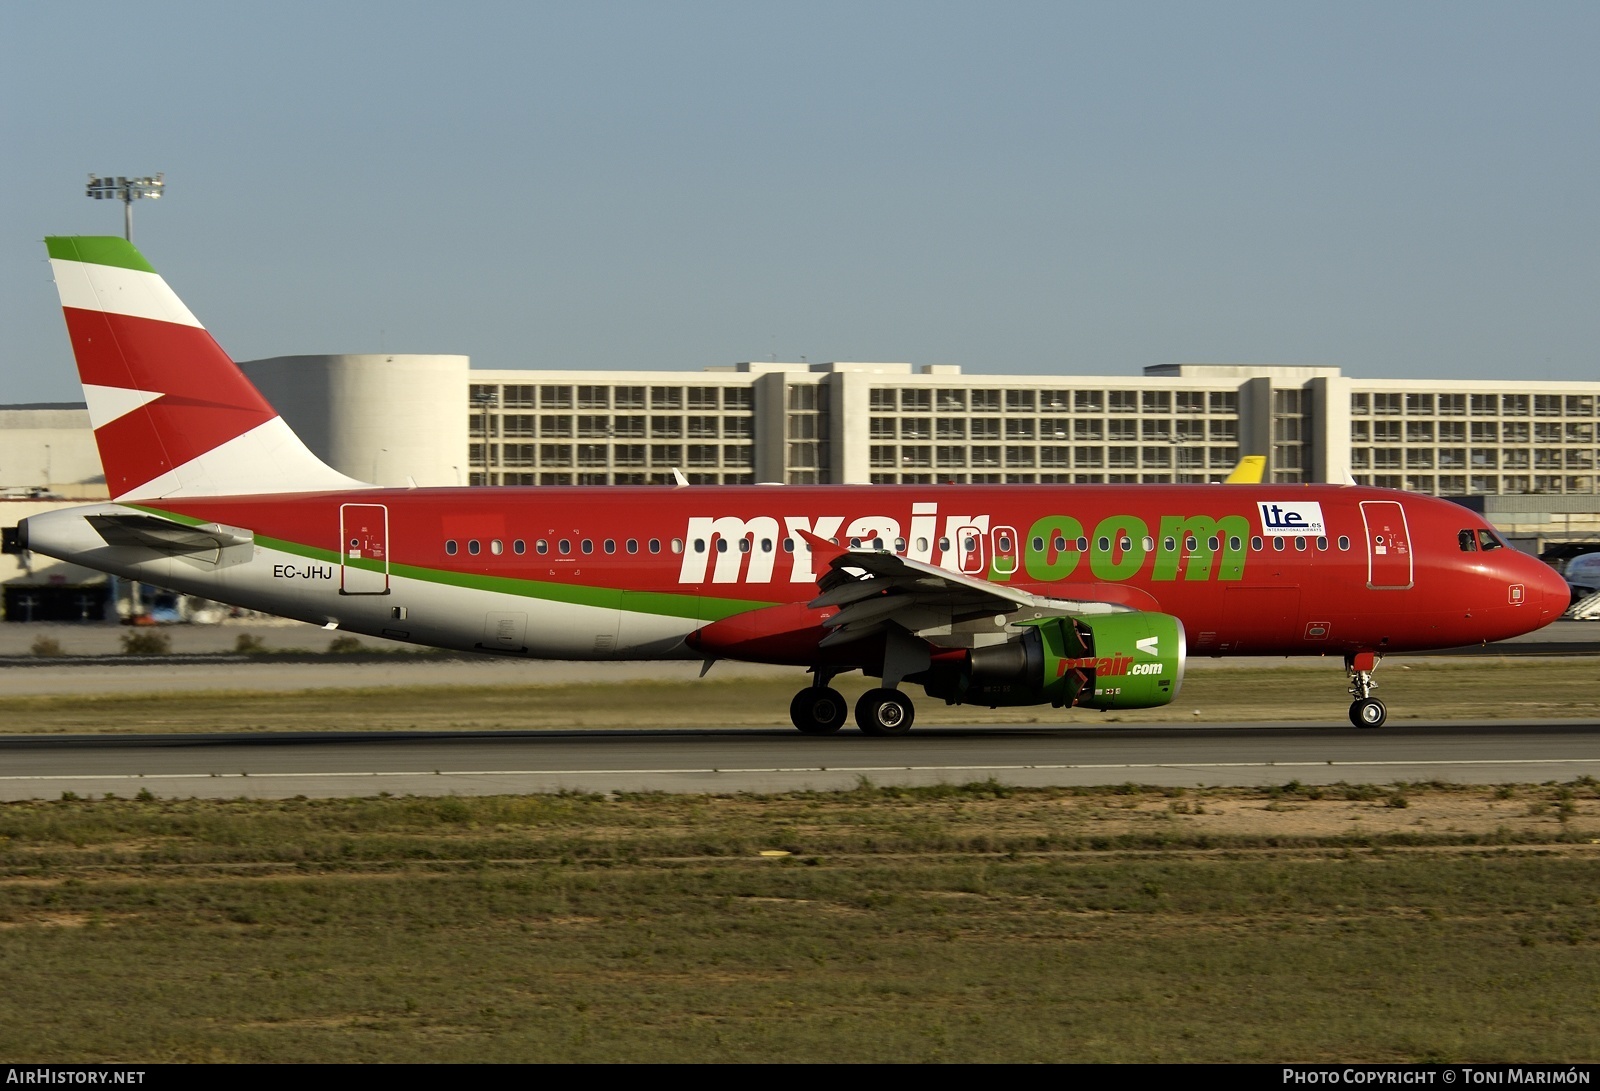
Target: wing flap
(877, 590)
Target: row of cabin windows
(1003, 543)
(563, 546)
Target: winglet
(822, 550)
(1249, 471)
(678, 480)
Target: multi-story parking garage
(1526, 452)
(432, 420)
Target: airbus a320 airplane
(1069, 595)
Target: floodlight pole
(127, 190)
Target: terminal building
(1523, 453)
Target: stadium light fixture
(126, 190)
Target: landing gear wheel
(818, 710)
(884, 712)
(1368, 712)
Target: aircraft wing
(874, 590)
(165, 535)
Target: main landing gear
(884, 712)
(1366, 710)
(820, 710)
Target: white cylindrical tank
(387, 418)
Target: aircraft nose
(1554, 594)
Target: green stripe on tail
(97, 250)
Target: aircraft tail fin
(1249, 471)
(172, 414)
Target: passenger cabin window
(1256, 544)
(633, 545)
(655, 546)
(610, 545)
(1344, 543)
(541, 546)
(588, 546)
(519, 547)
(565, 545)
(1468, 540)
(450, 547)
(497, 547)
(473, 547)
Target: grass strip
(1355, 922)
(1480, 689)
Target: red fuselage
(1291, 570)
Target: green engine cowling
(1132, 660)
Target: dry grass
(1475, 689)
(955, 923)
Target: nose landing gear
(1366, 710)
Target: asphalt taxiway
(276, 766)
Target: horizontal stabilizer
(165, 536)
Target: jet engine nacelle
(1132, 660)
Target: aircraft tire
(818, 710)
(885, 713)
(1368, 712)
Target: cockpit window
(1488, 539)
(1468, 540)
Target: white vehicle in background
(1583, 576)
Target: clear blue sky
(1392, 188)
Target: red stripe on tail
(206, 398)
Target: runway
(276, 766)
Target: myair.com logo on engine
(1113, 666)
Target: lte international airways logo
(1279, 520)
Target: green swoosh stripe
(667, 604)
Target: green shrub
(47, 648)
(146, 643)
